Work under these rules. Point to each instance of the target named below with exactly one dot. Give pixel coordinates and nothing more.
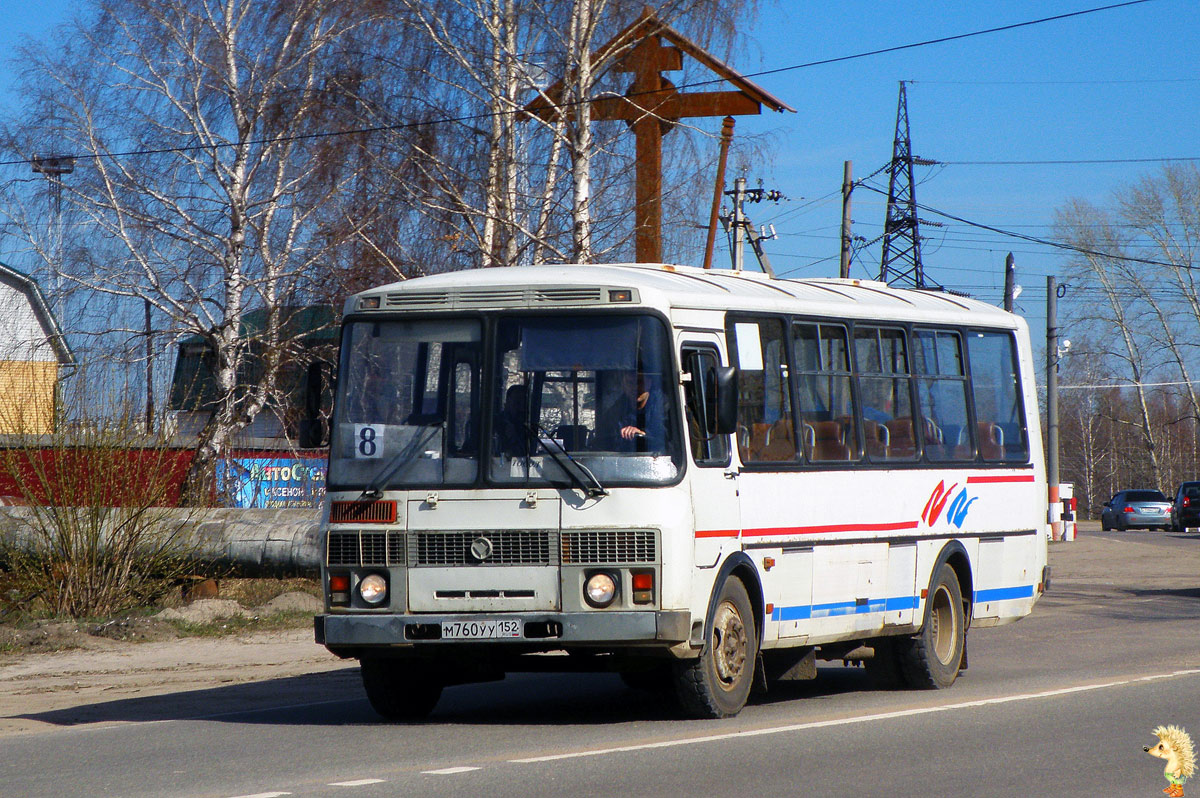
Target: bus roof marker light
(369, 303)
(620, 295)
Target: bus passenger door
(712, 479)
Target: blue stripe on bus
(804, 612)
(1004, 593)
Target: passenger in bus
(512, 429)
(630, 419)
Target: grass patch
(29, 626)
(241, 624)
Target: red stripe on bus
(716, 533)
(807, 530)
(1014, 478)
(893, 526)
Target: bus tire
(718, 682)
(399, 690)
(931, 659)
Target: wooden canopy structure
(652, 105)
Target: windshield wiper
(403, 458)
(595, 490)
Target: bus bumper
(545, 629)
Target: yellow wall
(27, 397)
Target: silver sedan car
(1129, 509)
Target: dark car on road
(1130, 509)
(1185, 510)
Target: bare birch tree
(1140, 259)
(1115, 315)
(504, 185)
(191, 121)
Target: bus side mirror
(726, 400)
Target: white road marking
(849, 721)
(264, 795)
(448, 771)
(359, 783)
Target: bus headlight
(373, 589)
(600, 589)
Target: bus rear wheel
(400, 690)
(717, 684)
(931, 659)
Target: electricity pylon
(901, 262)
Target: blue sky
(1115, 84)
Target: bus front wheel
(717, 684)
(931, 658)
(400, 690)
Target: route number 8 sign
(368, 441)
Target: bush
(93, 538)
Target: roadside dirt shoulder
(42, 690)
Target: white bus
(702, 480)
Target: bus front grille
(609, 547)
(365, 548)
(493, 547)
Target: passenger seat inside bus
(902, 444)
(781, 443)
(991, 440)
(769, 442)
(933, 439)
(829, 441)
(875, 439)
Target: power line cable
(483, 116)
(1070, 162)
(1047, 242)
(944, 39)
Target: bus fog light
(373, 589)
(600, 589)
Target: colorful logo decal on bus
(959, 507)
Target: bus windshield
(407, 411)
(573, 399)
(595, 388)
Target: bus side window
(942, 393)
(708, 448)
(822, 360)
(766, 433)
(881, 360)
(999, 413)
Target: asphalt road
(1060, 703)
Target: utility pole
(1052, 406)
(743, 228)
(739, 188)
(149, 372)
(719, 190)
(756, 241)
(847, 187)
(1010, 283)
